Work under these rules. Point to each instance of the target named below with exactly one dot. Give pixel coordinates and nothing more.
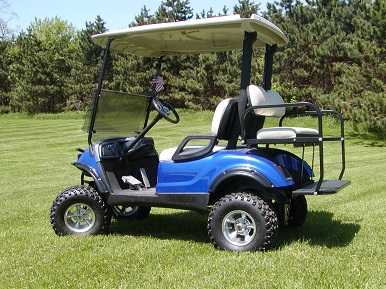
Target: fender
(90, 171)
(255, 176)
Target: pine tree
(143, 18)
(5, 83)
(333, 57)
(174, 10)
(176, 69)
(246, 8)
(85, 66)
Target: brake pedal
(144, 177)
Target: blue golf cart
(237, 175)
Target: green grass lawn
(341, 245)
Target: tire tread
(269, 215)
(73, 192)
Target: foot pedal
(144, 177)
(132, 181)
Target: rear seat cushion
(285, 132)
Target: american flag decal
(159, 83)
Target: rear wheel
(130, 212)
(79, 210)
(297, 212)
(242, 222)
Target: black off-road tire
(298, 211)
(242, 222)
(130, 212)
(79, 210)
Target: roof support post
(249, 39)
(268, 66)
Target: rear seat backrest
(258, 96)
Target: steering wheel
(164, 108)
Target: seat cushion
(285, 133)
(167, 154)
(258, 96)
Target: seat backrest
(223, 119)
(259, 96)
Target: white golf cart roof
(192, 36)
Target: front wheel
(79, 210)
(242, 222)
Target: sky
(116, 13)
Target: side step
(149, 198)
(327, 187)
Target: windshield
(118, 115)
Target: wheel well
(87, 180)
(239, 183)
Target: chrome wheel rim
(79, 217)
(239, 228)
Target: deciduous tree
(40, 67)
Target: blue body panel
(291, 161)
(86, 158)
(197, 176)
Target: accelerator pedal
(133, 182)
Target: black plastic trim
(90, 171)
(181, 155)
(148, 197)
(266, 191)
(268, 66)
(327, 187)
(256, 176)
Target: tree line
(335, 58)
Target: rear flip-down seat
(262, 104)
